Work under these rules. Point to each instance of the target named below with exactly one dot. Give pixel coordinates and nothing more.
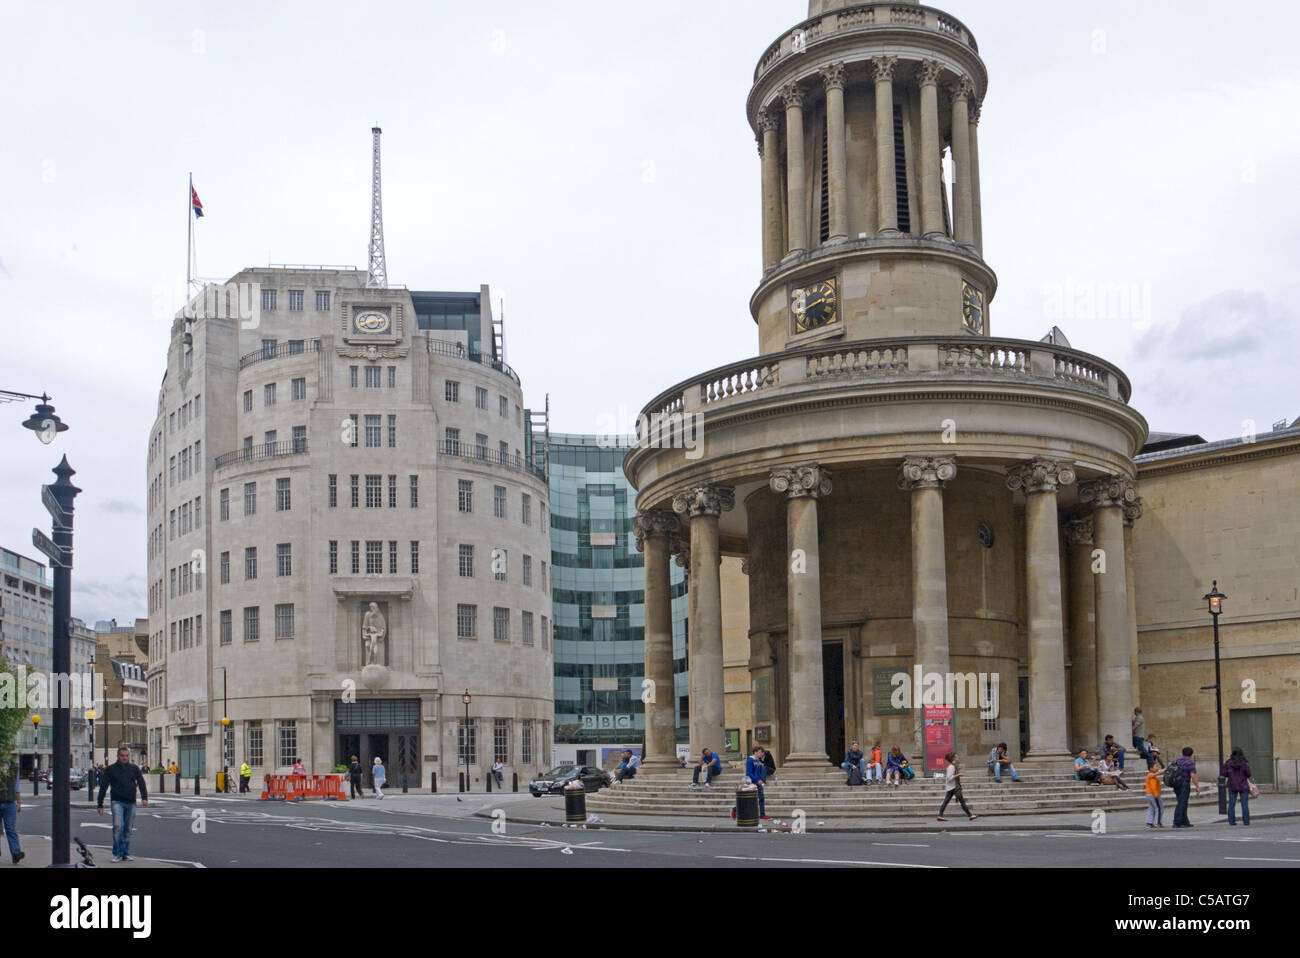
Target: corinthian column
(1039, 479)
(767, 149)
(796, 201)
(976, 213)
(703, 505)
(836, 164)
(925, 477)
(931, 208)
(886, 174)
(964, 228)
(803, 486)
(1109, 497)
(656, 535)
(1083, 637)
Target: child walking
(1155, 808)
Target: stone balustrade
(865, 16)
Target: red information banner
(938, 737)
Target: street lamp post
(225, 729)
(1215, 599)
(465, 735)
(36, 753)
(90, 772)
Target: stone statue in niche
(373, 632)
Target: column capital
(975, 109)
(1109, 491)
(926, 472)
(791, 96)
(1133, 511)
(882, 68)
(1078, 532)
(963, 89)
(656, 524)
(704, 501)
(768, 120)
(749, 565)
(811, 480)
(927, 73)
(682, 553)
(833, 76)
(1040, 475)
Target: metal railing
(296, 347)
(266, 450)
(465, 450)
(440, 347)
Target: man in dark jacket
(354, 778)
(11, 803)
(123, 778)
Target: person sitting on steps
(711, 764)
(894, 765)
(999, 760)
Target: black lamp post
(1215, 599)
(90, 772)
(466, 698)
(225, 728)
(36, 753)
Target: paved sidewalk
(38, 849)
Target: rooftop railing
(465, 450)
(266, 450)
(292, 347)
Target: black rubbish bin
(575, 802)
(747, 806)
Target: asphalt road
(240, 833)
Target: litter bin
(575, 802)
(747, 805)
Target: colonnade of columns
(792, 237)
(1102, 629)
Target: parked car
(553, 782)
(76, 778)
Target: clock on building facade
(815, 305)
(972, 308)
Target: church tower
(854, 110)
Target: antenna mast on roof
(377, 275)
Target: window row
(375, 376)
(186, 633)
(269, 300)
(529, 743)
(374, 557)
(371, 430)
(283, 499)
(375, 487)
(184, 415)
(184, 579)
(467, 625)
(500, 566)
(271, 446)
(189, 461)
(465, 502)
(297, 391)
(251, 620)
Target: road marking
(897, 845)
(1261, 859)
(94, 825)
(825, 861)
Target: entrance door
(1251, 730)
(377, 747)
(193, 756)
(407, 760)
(346, 747)
(833, 698)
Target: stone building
(345, 533)
(27, 640)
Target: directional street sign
(55, 510)
(57, 556)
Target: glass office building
(597, 591)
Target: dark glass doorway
(833, 698)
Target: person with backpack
(855, 760)
(1155, 808)
(1237, 771)
(1084, 770)
(952, 780)
(894, 765)
(1181, 776)
(756, 772)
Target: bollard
(403, 782)
(514, 778)
(433, 782)
(196, 785)
(162, 782)
(489, 781)
(575, 802)
(178, 783)
(747, 806)
(461, 780)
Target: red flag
(196, 202)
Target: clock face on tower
(814, 305)
(371, 321)
(972, 308)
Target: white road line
(94, 825)
(824, 861)
(897, 845)
(1230, 859)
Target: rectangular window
(298, 389)
(526, 742)
(171, 472)
(288, 743)
(248, 400)
(392, 492)
(225, 626)
(334, 556)
(352, 377)
(333, 491)
(546, 625)
(322, 301)
(173, 636)
(503, 406)
(466, 746)
(356, 557)
(171, 418)
(501, 624)
(452, 444)
(466, 621)
(526, 625)
(499, 501)
(392, 377)
(253, 739)
(282, 497)
(528, 570)
(284, 620)
(374, 492)
(415, 556)
(356, 485)
(373, 377)
(503, 453)
(499, 564)
(452, 391)
(250, 563)
(373, 434)
(480, 445)
(295, 300)
(392, 431)
(250, 498)
(526, 509)
(268, 299)
(198, 456)
(299, 438)
(480, 397)
(225, 568)
(546, 525)
(415, 492)
(392, 557)
(252, 624)
(544, 585)
(501, 741)
(198, 630)
(171, 525)
(464, 495)
(467, 562)
(283, 559)
(374, 557)
(171, 585)
(295, 347)
(268, 394)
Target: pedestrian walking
(298, 768)
(11, 803)
(1155, 808)
(1237, 771)
(354, 778)
(380, 776)
(952, 778)
(123, 778)
(245, 776)
(1183, 774)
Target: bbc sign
(602, 722)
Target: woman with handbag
(953, 779)
(1237, 771)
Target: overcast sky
(592, 163)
